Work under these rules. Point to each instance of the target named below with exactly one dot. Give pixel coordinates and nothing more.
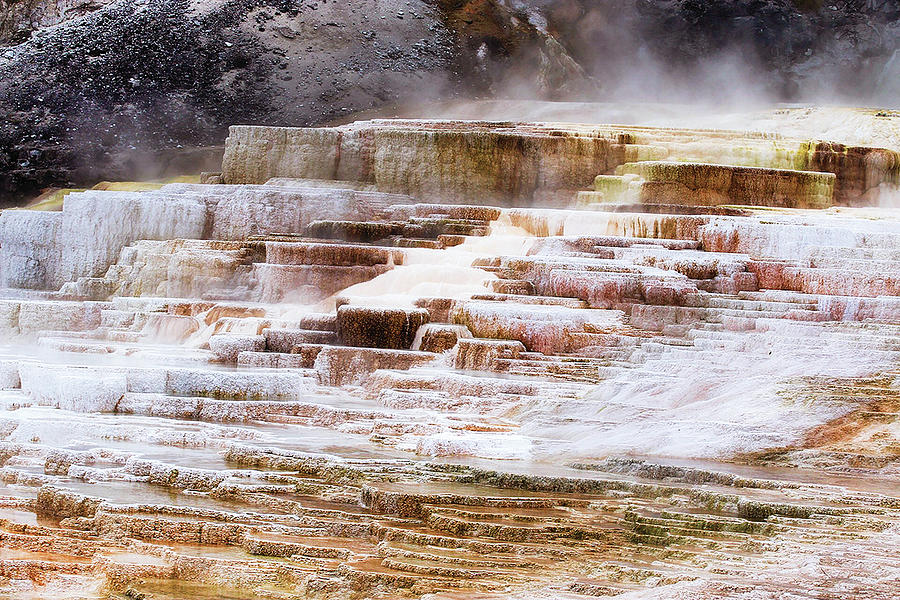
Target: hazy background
(139, 89)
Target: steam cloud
(725, 52)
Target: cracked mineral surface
(460, 359)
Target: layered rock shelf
(447, 359)
(539, 163)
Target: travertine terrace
(460, 359)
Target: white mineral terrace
(439, 359)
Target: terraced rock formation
(512, 163)
(460, 360)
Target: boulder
(285, 340)
(540, 328)
(439, 337)
(366, 327)
(479, 354)
(352, 366)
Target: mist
(721, 53)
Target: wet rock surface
(204, 394)
(379, 327)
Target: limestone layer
(712, 185)
(536, 163)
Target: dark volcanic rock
(787, 50)
(113, 93)
(19, 19)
